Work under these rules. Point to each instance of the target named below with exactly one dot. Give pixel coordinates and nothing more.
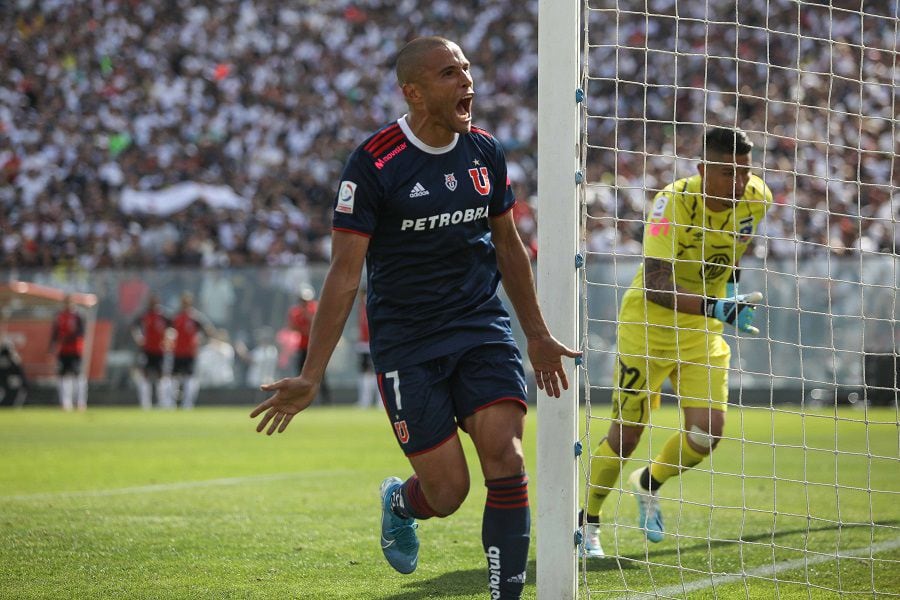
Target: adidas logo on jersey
(418, 191)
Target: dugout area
(27, 311)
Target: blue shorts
(427, 402)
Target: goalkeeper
(671, 322)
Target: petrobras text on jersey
(444, 219)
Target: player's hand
(545, 354)
(737, 310)
(292, 395)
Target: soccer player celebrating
(426, 203)
(671, 323)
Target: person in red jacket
(67, 343)
(149, 333)
(189, 323)
(300, 317)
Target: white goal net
(801, 498)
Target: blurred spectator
(189, 324)
(262, 360)
(300, 318)
(13, 383)
(215, 362)
(67, 343)
(366, 383)
(149, 333)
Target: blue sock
(505, 533)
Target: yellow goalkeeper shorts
(699, 377)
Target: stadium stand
(207, 133)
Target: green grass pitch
(119, 503)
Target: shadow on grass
(454, 585)
(471, 582)
(636, 560)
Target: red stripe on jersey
(387, 144)
(506, 506)
(365, 235)
(512, 481)
(480, 131)
(519, 491)
(516, 502)
(379, 377)
(379, 137)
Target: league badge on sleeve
(346, 196)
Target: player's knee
(703, 441)
(448, 495)
(624, 440)
(628, 446)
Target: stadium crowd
(212, 133)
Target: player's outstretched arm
(544, 351)
(661, 289)
(294, 394)
(291, 395)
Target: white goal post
(801, 498)
(558, 183)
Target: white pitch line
(166, 487)
(764, 572)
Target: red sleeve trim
(386, 143)
(378, 138)
(345, 230)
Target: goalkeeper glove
(737, 310)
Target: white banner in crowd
(178, 197)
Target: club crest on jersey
(402, 431)
(480, 180)
(346, 196)
(450, 181)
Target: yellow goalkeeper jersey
(704, 245)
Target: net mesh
(801, 498)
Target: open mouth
(464, 108)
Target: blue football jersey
(431, 264)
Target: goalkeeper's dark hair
(726, 141)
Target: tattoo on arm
(659, 279)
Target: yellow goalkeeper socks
(606, 466)
(676, 456)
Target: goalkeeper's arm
(661, 289)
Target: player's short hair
(726, 141)
(409, 59)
